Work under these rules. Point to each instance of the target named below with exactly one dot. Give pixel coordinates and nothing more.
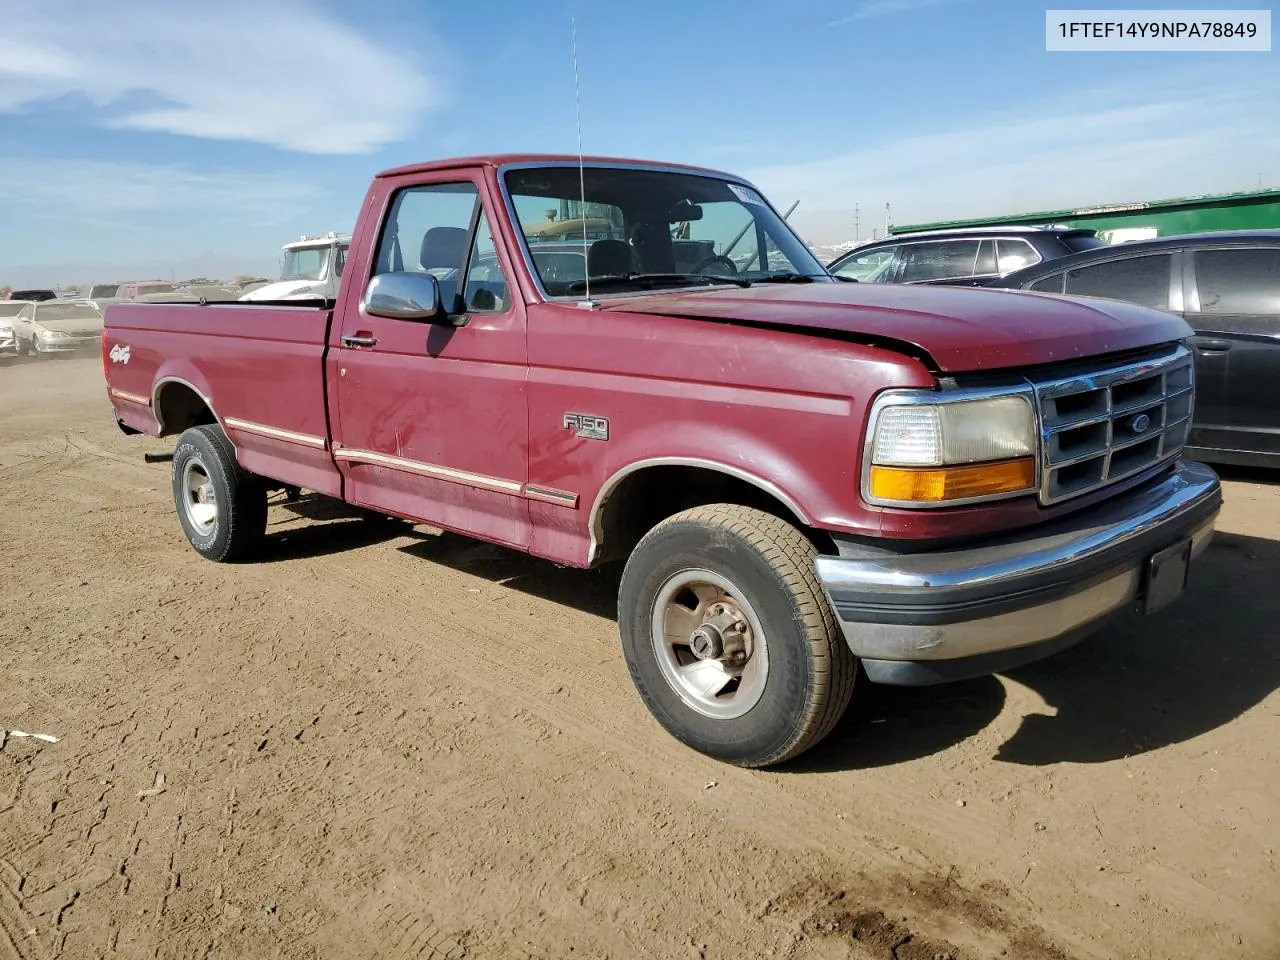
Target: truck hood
(962, 329)
(283, 290)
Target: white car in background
(11, 314)
(57, 326)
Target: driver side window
(426, 231)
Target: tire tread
(792, 555)
(246, 512)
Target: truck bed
(157, 355)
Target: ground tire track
(353, 587)
(16, 943)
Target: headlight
(926, 450)
(6, 331)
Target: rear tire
(222, 507)
(728, 636)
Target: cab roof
(499, 159)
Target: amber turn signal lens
(939, 484)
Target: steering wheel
(731, 268)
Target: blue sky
(149, 136)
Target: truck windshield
(642, 228)
(305, 263)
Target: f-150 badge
(120, 353)
(587, 427)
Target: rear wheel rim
(709, 643)
(199, 501)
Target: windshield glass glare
(645, 221)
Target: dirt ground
(379, 741)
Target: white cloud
(869, 9)
(282, 73)
(1165, 136)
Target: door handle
(1211, 345)
(358, 340)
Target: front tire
(728, 637)
(222, 507)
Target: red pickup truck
(809, 480)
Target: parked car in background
(102, 294)
(153, 290)
(252, 283)
(35, 296)
(1227, 287)
(58, 327)
(212, 292)
(970, 256)
(11, 314)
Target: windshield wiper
(785, 278)
(655, 278)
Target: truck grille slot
(1099, 428)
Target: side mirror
(404, 295)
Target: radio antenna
(582, 175)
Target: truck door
(1236, 317)
(433, 419)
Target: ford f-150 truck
(810, 481)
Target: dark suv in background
(971, 256)
(1226, 285)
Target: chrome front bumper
(932, 617)
(71, 344)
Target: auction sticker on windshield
(1158, 31)
(746, 194)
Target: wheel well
(647, 497)
(179, 407)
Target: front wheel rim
(709, 644)
(199, 501)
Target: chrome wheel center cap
(706, 643)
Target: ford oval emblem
(1140, 424)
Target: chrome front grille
(1100, 427)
